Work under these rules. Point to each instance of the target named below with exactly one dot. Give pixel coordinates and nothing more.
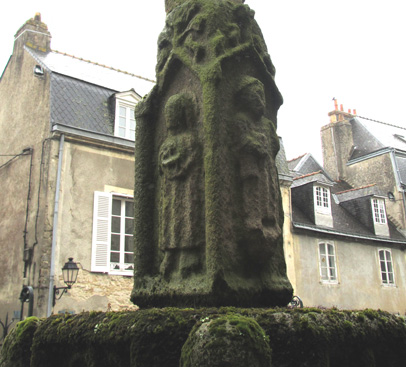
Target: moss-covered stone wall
(155, 337)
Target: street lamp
(70, 273)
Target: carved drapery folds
(209, 219)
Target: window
(385, 261)
(322, 199)
(113, 226)
(125, 122)
(378, 209)
(328, 271)
(124, 125)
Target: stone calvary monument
(209, 227)
(208, 221)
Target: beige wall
(88, 168)
(24, 123)
(359, 284)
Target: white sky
(353, 50)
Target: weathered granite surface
(208, 221)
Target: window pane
(121, 132)
(121, 122)
(322, 249)
(114, 257)
(129, 209)
(389, 264)
(384, 278)
(129, 226)
(116, 209)
(132, 124)
(128, 258)
(123, 111)
(381, 255)
(390, 276)
(129, 243)
(324, 273)
(383, 267)
(330, 249)
(115, 224)
(115, 242)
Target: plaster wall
(359, 283)
(287, 234)
(24, 123)
(85, 169)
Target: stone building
(346, 243)
(66, 177)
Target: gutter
(55, 227)
(362, 237)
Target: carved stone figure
(208, 221)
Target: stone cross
(208, 221)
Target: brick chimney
(34, 34)
(337, 142)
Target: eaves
(369, 156)
(346, 234)
(90, 137)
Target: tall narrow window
(378, 208)
(125, 126)
(386, 267)
(113, 225)
(122, 227)
(328, 271)
(322, 199)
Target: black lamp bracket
(58, 293)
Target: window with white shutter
(113, 226)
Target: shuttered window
(113, 223)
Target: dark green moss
(155, 337)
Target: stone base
(170, 337)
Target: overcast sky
(353, 50)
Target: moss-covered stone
(231, 340)
(155, 337)
(208, 221)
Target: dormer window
(124, 124)
(322, 199)
(322, 206)
(378, 208)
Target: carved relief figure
(179, 166)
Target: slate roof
(92, 72)
(282, 164)
(370, 136)
(81, 91)
(344, 222)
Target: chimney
(337, 142)
(34, 34)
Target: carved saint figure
(179, 222)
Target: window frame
(379, 211)
(127, 100)
(386, 271)
(329, 279)
(102, 234)
(323, 198)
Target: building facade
(66, 172)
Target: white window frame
(125, 101)
(322, 200)
(102, 234)
(327, 263)
(386, 269)
(378, 211)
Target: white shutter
(101, 232)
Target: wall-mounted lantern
(70, 273)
